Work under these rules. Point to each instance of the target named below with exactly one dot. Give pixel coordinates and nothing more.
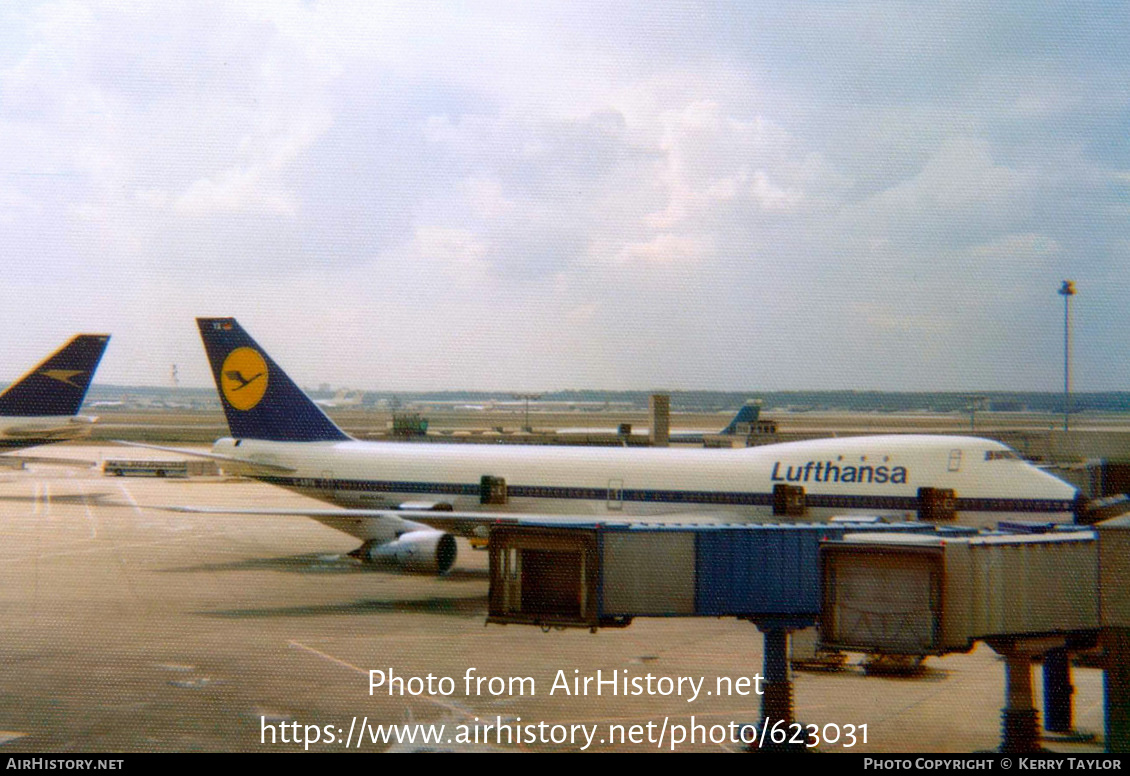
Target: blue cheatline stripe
(1014, 505)
(704, 497)
(19, 444)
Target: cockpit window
(1001, 455)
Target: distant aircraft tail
(58, 385)
(747, 414)
(259, 400)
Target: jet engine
(417, 552)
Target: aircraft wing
(230, 463)
(469, 524)
(18, 461)
(63, 432)
(473, 525)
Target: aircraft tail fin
(260, 401)
(58, 385)
(748, 413)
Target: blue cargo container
(759, 572)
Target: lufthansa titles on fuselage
(828, 471)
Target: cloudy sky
(532, 196)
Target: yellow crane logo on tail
(244, 378)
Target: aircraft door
(616, 494)
(955, 461)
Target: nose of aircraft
(1042, 484)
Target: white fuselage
(17, 432)
(875, 474)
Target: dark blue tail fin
(749, 413)
(259, 400)
(58, 385)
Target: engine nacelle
(417, 552)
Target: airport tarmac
(127, 628)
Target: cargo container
(1114, 572)
(932, 595)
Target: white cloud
(675, 183)
(448, 246)
(960, 195)
(666, 249)
(1019, 249)
(712, 158)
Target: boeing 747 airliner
(280, 436)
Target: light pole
(527, 396)
(1067, 290)
(976, 403)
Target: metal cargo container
(647, 573)
(1114, 572)
(927, 595)
(543, 576)
(589, 575)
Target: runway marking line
(90, 514)
(442, 704)
(104, 548)
(464, 712)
